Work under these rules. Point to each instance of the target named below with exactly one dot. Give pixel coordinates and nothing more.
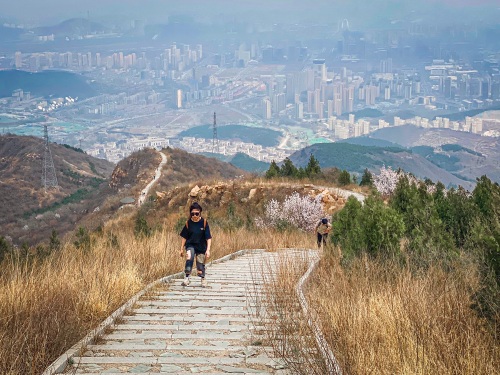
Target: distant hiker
(322, 229)
(196, 242)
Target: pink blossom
(303, 212)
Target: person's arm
(208, 237)
(209, 244)
(183, 245)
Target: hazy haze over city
(39, 12)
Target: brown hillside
(132, 174)
(183, 167)
(22, 197)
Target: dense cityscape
(346, 85)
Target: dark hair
(195, 206)
(324, 221)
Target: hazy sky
(52, 11)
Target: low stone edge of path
(312, 321)
(62, 362)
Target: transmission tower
(49, 178)
(215, 140)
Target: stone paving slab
(185, 330)
(184, 318)
(178, 327)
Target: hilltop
(355, 158)
(242, 161)
(49, 83)
(72, 27)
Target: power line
(49, 178)
(215, 139)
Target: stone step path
(186, 330)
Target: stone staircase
(186, 330)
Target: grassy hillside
(183, 167)
(46, 84)
(258, 136)
(356, 158)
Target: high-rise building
(338, 104)
(387, 93)
(408, 91)
(310, 101)
(279, 102)
(266, 109)
(349, 99)
(370, 94)
(317, 102)
(321, 111)
(330, 108)
(447, 87)
(18, 60)
(179, 99)
(290, 88)
(299, 111)
(319, 66)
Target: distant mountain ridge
(355, 158)
(72, 27)
(476, 156)
(50, 83)
(242, 161)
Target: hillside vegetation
(356, 158)
(27, 212)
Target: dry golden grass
(47, 306)
(383, 319)
(281, 318)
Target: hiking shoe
(204, 282)
(185, 282)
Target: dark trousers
(200, 263)
(322, 238)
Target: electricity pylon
(215, 139)
(49, 178)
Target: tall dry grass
(281, 318)
(381, 318)
(47, 305)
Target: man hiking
(322, 229)
(196, 242)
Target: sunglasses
(195, 214)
